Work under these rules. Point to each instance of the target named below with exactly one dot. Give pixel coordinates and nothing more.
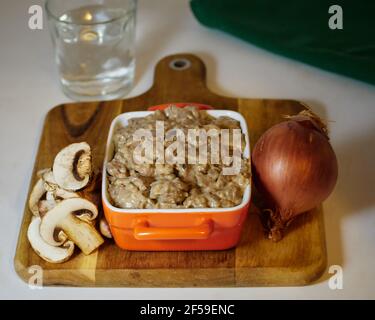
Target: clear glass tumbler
(94, 46)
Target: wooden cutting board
(298, 259)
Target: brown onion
(295, 168)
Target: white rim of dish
(120, 119)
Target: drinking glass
(94, 46)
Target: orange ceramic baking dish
(174, 229)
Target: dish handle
(142, 231)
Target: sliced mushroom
(53, 195)
(104, 228)
(72, 166)
(36, 194)
(44, 250)
(42, 186)
(80, 232)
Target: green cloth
(299, 29)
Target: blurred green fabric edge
(299, 30)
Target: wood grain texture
(298, 259)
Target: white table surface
(28, 89)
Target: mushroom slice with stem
(72, 166)
(52, 199)
(36, 194)
(62, 216)
(43, 249)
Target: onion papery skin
(294, 167)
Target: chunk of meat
(169, 191)
(127, 195)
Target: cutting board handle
(182, 78)
(180, 73)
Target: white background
(28, 89)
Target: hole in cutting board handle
(180, 64)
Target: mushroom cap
(61, 211)
(72, 166)
(44, 250)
